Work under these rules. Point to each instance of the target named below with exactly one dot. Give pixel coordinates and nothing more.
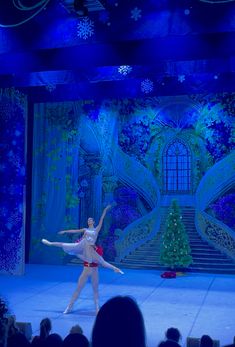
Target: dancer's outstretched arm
(72, 231)
(102, 218)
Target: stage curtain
(13, 112)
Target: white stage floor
(196, 304)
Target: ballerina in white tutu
(85, 249)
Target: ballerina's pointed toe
(67, 310)
(119, 271)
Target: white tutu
(85, 248)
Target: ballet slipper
(46, 242)
(68, 309)
(119, 271)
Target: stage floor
(196, 304)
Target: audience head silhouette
(168, 343)
(173, 334)
(75, 340)
(45, 328)
(3, 322)
(206, 341)
(76, 329)
(119, 323)
(53, 340)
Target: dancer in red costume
(86, 250)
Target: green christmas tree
(175, 249)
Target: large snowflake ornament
(147, 86)
(124, 69)
(136, 13)
(85, 28)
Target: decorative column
(109, 185)
(82, 194)
(95, 209)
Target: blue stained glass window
(177, 168)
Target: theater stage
(195, 303)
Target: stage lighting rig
(83, 7)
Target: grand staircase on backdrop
(205, 257)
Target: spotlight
(80, 8)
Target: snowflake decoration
(50, 87)
(136, 13)
(147, 86)
(124, 69)
(85, 28)
(181, 78)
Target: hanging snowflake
(124, 69)
(85, 28)
(136, 13)
(147, 86)
(181, 78)
(50, 87)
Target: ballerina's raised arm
(73, 231)
(99, 226)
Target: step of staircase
(205, 257)
(196, 268)
(197, 259)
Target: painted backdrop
(89, 153)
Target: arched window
(177, 168)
